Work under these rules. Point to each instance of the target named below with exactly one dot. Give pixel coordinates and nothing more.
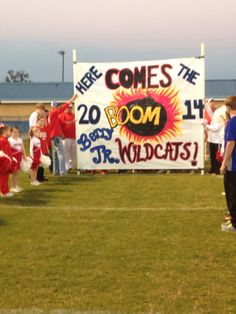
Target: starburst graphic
(168, 102)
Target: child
(35, 154)
(228, 167)
(5, 148)
(18, 151)
(41, 124)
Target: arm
(23, 150)
(228, 153)
(66, 105)
(31, 149)
(215, 127)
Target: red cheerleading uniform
(35, 152)
(16, 150)
(6, 164)
(44, 140)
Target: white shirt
(33, 119)
(216, 126)
(16, 144)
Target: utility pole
(62, 53)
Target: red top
(68, 124)
(48, 131)
(5, 146)
(55, 125)
(44, 140)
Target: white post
(203, 52)
(74, 59)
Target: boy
(228, 167)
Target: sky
(33, 31)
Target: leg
(55, 156)
(15, 179)
(67, 152)
(73, 154)
(40, 174)
(61, 156)
(231, 194)
(4, 186)
(215, 165)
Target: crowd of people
(57, 129)
(46, 130)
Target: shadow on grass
(44, 195)
(3, 223)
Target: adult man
(59, 164)
(67, 119)
(214, 137)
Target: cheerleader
(18, 151)
(41, 124)
(35, 154)
(5, 161)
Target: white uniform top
(33, 119)
(216, 126)
(16, 144)
(34, 142)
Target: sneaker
(228, 227)
(9, 194)
(35, 183)
(14, 190)
(19, 189)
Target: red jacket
(5, 163)
(55, 125)
(68, 124)
(5, 146)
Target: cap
(54, 104)
(211, 100)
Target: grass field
(133, 243)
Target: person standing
(6, 160)
(214, 137)
(67, 119)
(59, 163)
(34, 115)
(228, 167)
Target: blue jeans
(59, 161)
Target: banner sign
(140, 115)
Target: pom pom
(26, 164)
(45, 161)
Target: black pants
(215, 165)
(40, 174)
(230, 194)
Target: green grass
(120, 243)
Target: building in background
(18, 100)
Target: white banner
(140, 115)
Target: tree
(17, 76)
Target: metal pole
(62, 53)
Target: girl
(35, 154)
(18, 151)
(6, 161)
(44, 144)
